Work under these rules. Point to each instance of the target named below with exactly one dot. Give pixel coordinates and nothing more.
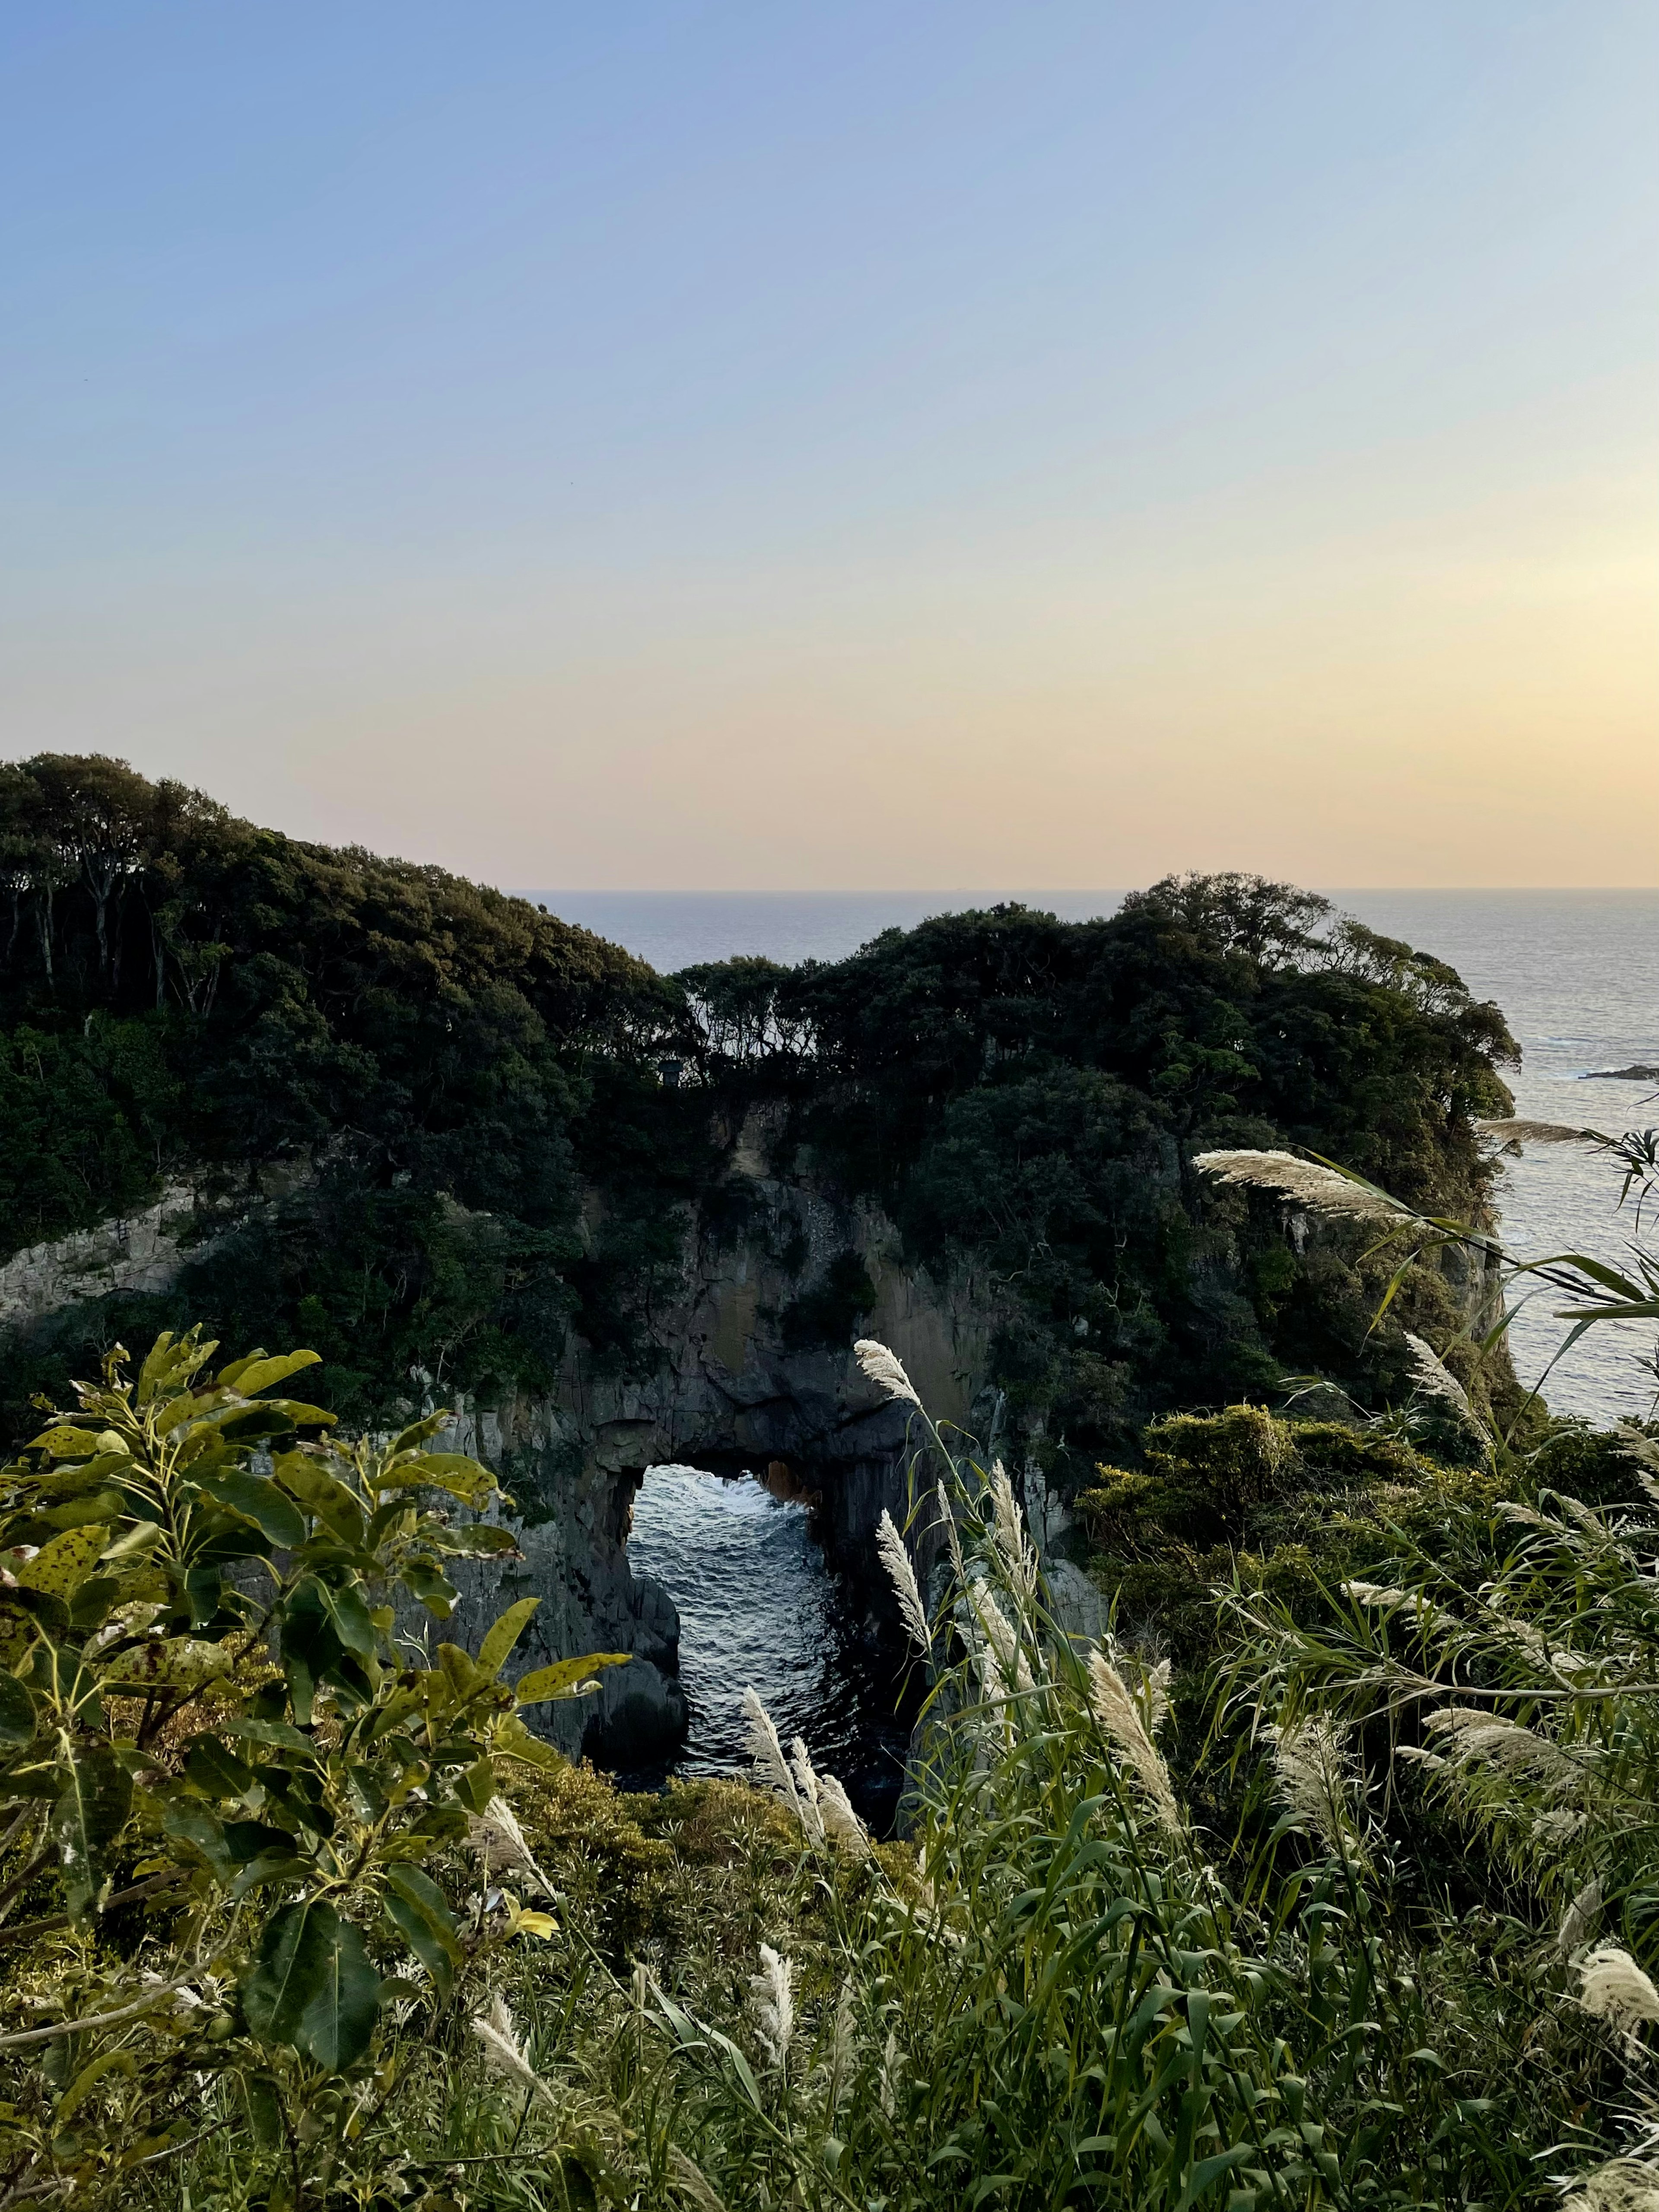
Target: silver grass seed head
(1315, 1778)
(885, 1369)
(1008, 1524)
(766, 1751)
(1158, 1696)
(773, 1990)
(1579, 1919)
(998, 1637)
(1119, 1718)
(1436, 1380)
(842, 1824)
(896, 1559)
(1624, 2185)
(1304, 1184)
(502, 1845)
(1517, 1130)
(1613, 1988)
(503, 2052)
(691, 2179)
(1642, 1449)
(1471, 1737)
(948, 1522)
(807, 1785)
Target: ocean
(1576, 972)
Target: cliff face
(727, 1392)
(725, 1376)
(720, 1384)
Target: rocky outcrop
(725, 1390)
(726, 1377)
(144, 1252)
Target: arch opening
(763, 1600)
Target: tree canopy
(419, 1077)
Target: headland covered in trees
(1310, 1862)
(474, 1132)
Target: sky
(772, 447)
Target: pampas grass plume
(885, 1369)
(896, 1559)
(1304, 1182)
(1119, 1718)
(774, 1993)
(1613, 1988)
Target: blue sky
(752, 447)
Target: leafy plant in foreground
(231, 1782)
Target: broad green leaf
(477, 1786)
(464, 1478)
(277, 1734)
(318, 1493)
(274, 1865)
(215, 1771)
(92, 1809)
(462, 1674)
(65, 1679)
(417, 1908)
(312, 1986)
(256, 1498)
(131, 1548)
(93, 1601)
(59, 1568)
(514, 1741)
(107, 2061)
(565, 1677)
(338, 2024)
(16, 1711)
(288, 1970)
(417, 1433)
(434, 1589)
(349, 1617)
(482, 1539)
(265, 2110)
(188, 1821)
(504, 1633)
(75, 1481)
(64, 1440)
(81, 1512)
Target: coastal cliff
(474, 1157)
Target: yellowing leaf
(565, 1677)
(246, 1378)
(504, 1634)
(59, 1569)
(65, 1441)
(181, 1663)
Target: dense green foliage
(208, 1717)
(1022, 1094)
(1411, 1966)
(437, 1113)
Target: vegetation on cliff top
(418, 1079)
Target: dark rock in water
(639, 1715)
(1638, 1074)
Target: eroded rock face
(728, 1391)
(724, 1382)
